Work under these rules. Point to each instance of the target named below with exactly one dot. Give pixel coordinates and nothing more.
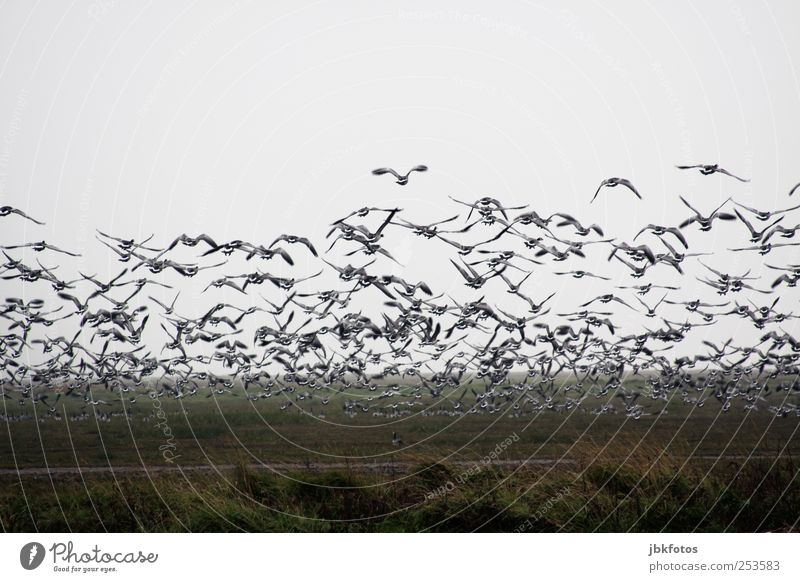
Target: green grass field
(645, 492)
(267, 469)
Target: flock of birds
(420, 351)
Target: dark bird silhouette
(425, 230)
(486, 207)
(129, 244)
(41, 246)
(785, 232)
(364, 211)
(293, 239)
(764, 215)
(471, 276)
(755, 235)
(402, 180)
(613, 182)
(190, 241)
(660, 231)
(708, 169)
(705, 222)
(168, 310)
(7, 210)
(580, 230)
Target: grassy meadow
(239, 465)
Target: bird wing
(746, 222)
(679, 235)
(499, 207)
(567, 219)
(669, 246)
(629, 265)
(618, 300)
(310, 246)
(206, 239)
(157, 301)
(627, 183)
(727, 173)
(786, 210)
(642, 302)
(381, 171)
(600, 187)
(282, 237)
(285, 255)
(69, 297)
(692, 208)
(118, 277)
(108, 236)
(461, 271)
(23, 215)
(58, 250)
(445, 221)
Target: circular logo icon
(31, 555)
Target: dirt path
(399, 466)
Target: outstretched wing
(646, 228)
(745, 222)
(58, 250)
(727, 173)
(461, 271)
(679, 235)
(310, 246)
(600, 187)
(23, 215)
(692, 208)
(787, 209)
(627, 183)
(381, 171)
(567, 219)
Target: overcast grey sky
(245, 120)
